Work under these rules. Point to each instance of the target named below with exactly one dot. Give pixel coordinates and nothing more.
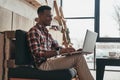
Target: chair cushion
(22, 53)
(33, 73)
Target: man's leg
(74, 61)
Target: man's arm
(35, 45)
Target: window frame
(96, 28)
(97, 24)
(83, 18)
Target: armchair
(24, 67)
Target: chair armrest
(11, 63)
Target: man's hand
(67, 50)
(84, 52)
(79, 49)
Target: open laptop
(89, 43)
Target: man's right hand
(67, 50)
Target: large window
(110, 18)
(107, 22)
(78, 8)
(79, 15)
(78, 28)
(101, 16)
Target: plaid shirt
(39, 41)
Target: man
(43, 47)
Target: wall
(23, 8)
(12, 21)
(20, 7)
(18, 14)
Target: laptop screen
(89, 41)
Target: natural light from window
(109, 18)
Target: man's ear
(36, 19)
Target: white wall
(23, 8)
(20, 7)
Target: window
(78, 8)
(77, 28)
(107, 20)
(107, 15)
(79, 18)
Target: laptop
(88, 44)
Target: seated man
(43, 47)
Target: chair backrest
(22, 55)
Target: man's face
(46, 17)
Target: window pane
(110, 18)
(77, 28)
(78, 8)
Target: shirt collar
(40, 27)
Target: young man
(43, 47)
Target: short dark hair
(42, 8)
